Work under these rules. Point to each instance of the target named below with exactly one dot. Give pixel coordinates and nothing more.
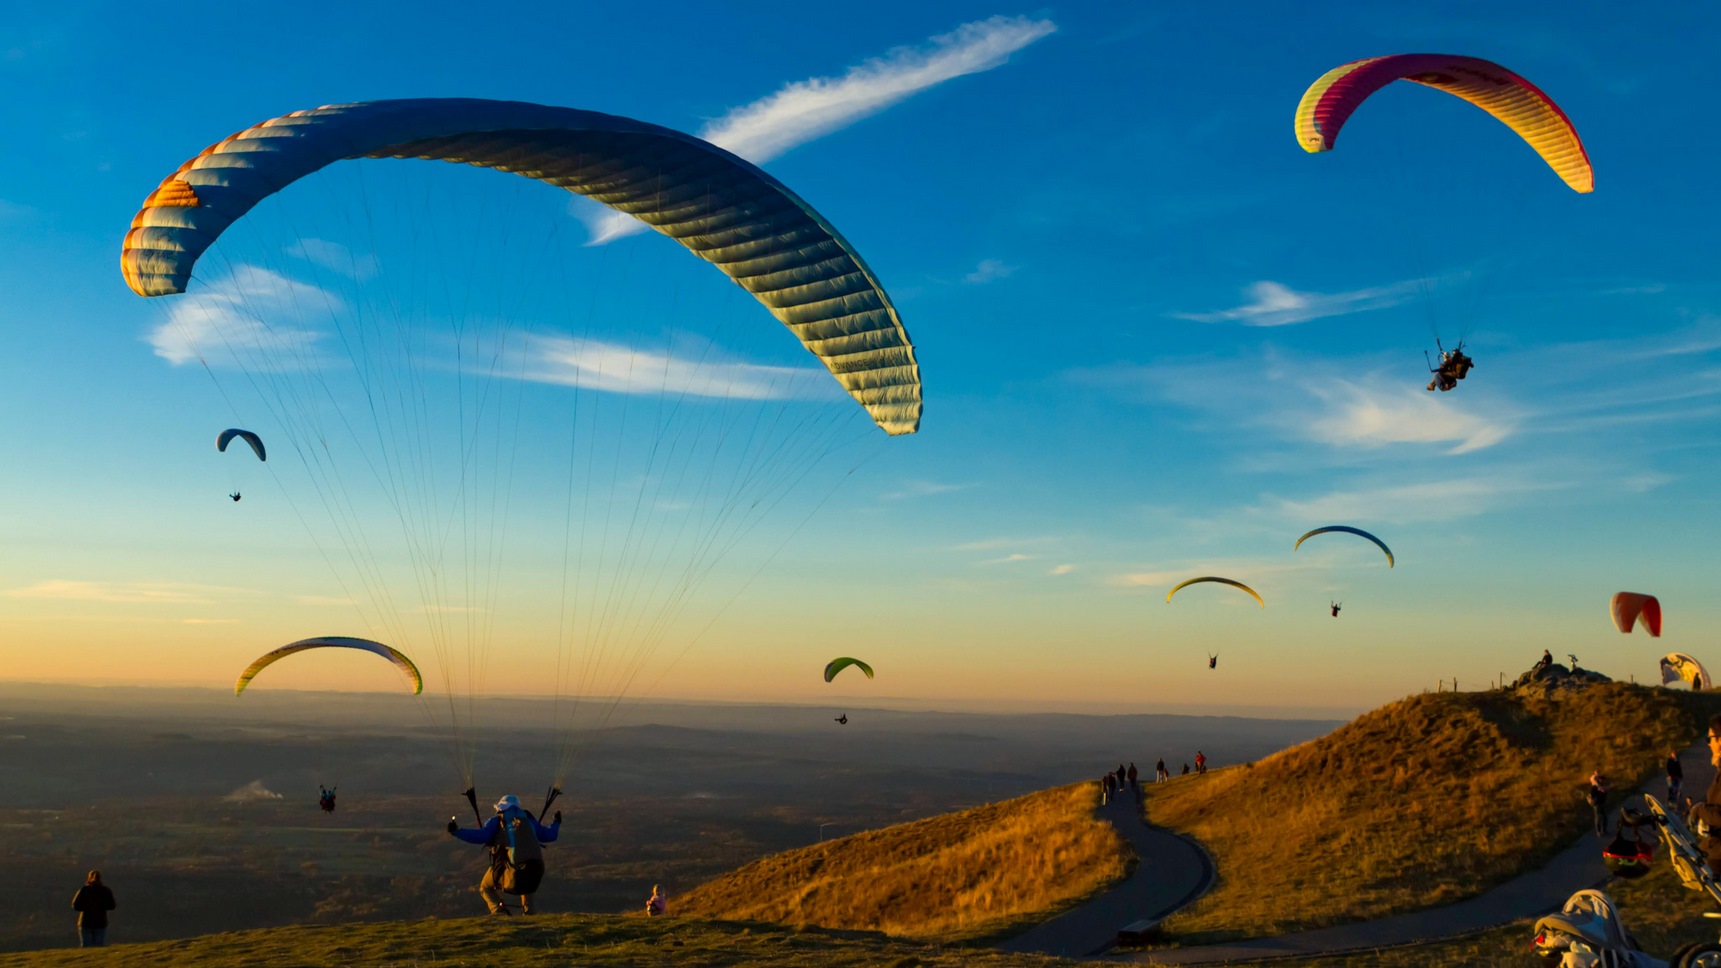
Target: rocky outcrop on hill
(1547, 680)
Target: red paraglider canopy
(1631, 608)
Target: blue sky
(1157, 340)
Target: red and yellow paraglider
(1511, 99)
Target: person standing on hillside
(1134, 787)
(1122, 776)
(1159, 774)
(93, 902)
(1675, 779)
(1200, 762)
(516, 840)
(1597, 796)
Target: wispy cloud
(1276, 304)
(1371, 415)
(117, 592)
(1061, 569)
(1009, 559)
(618, 368)
(806, 110)
(1445, 500)
(1336, 403)
(335, 257)
(230, 322)
(989, 270)
(912, 489)
(998, 544)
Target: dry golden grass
(1420, 803)
(965, 875)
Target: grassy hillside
(964, 875)
(591, 941)
(1464, 789)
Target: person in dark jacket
(93, 902)
(1706, 816)
(1133, 777)
(514, 837)
(1675, 779)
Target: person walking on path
(1134, 787)
(1159, 774)
(1200, 762)
(1105, 788)
(1675, 779)
(1597, 795)
(515, 839)
(1122, 775)
(93, 902)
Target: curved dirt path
(1169, 873)
(1530, 895)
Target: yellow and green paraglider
(395, 656)
(839, 664)
(1347, 530)
(1511, 99)
(1252, 593)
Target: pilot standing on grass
(515, 839)
(1706, 816)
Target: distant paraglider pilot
(1454, 366)
(234, 496)
(1336, 606)
(326, 798)
(842, 720)
(1213, 661)
(515, 839)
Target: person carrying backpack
(515, 839)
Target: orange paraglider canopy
(1635, 608)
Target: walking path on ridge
(1530, 895)
(1169, 873)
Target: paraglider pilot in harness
(327, 798)
(1454, 366)
(515, 840)
(234, 495)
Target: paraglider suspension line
(550, 798)
(471, 794)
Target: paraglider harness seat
(517, 855)
(1454, 366)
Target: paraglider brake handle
(471, 794)
(549, 798)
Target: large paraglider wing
(1347, 530)
(395, 656)
(1635, 608)
(1679, 667)
(1223, 581)
(723, 208)
(1516, 102)
(839, 664)
(255, 441)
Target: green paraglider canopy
(1347, 529)
(395, 656)
(1223, 581)
(839, 664)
